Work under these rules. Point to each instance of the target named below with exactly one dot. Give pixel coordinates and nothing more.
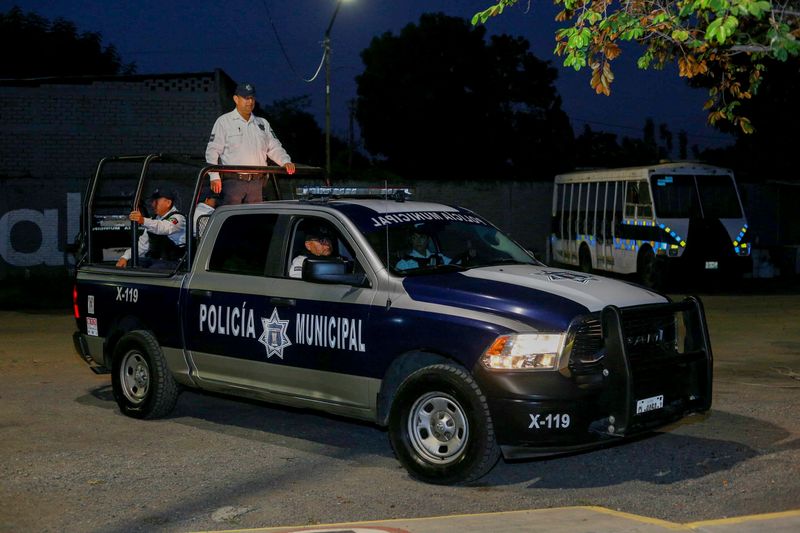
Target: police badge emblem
(274, 337)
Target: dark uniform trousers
(242, 189)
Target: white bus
(653, 221)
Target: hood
(547, 298)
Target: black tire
(461, 446)
(143, 385)
(585, 259)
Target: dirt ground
(71, 462)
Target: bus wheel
(649, 269)
(585, 259)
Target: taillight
(75, 302)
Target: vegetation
(439, 100)
(729, 41)
(34, 47)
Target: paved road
(71, 462)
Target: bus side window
(602, 232)
(631, 199)
(645, 201)
(619, 201)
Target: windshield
(676, 196)
(442, 245)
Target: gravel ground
(71, 462)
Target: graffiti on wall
(23, 251)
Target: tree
(728, 39)
(304, 139)
(297, 129)
(767, 153)
(35, 47)
(437, 99)
(600, 149)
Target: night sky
(173, 36)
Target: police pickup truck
(420, 317)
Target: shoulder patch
(173, 220)
(211, 140)
(261, 127)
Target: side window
(591, 197)
(242, 245)
(616, 207)
(631, 199)
(316, 237)
(637, 201)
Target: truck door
(251, 325)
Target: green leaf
(661, 17)
(713, 30)
(757, 9)
(680, 35)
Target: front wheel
(143, 385)
(440, 427)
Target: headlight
(530, 351)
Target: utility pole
(326, 43)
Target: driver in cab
(318, 243)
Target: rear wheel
(143, 385)
(440, 427)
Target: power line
(283, 50)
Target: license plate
(712, 265)
(649, 404)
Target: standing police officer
(241, 138)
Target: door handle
(285, 302)
(200, 292)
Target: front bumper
(539, 413)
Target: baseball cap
(318, 232)
(169, 194)
(421, 229)
(245, 89)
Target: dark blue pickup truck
(421, 317)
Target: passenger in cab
(163, 242)
(421, 254)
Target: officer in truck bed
(164, 241)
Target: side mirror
(334, 270)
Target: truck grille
(647, 335)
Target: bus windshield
(436, 246)
(676, 196)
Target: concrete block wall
(60, 129)
(54, 131)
